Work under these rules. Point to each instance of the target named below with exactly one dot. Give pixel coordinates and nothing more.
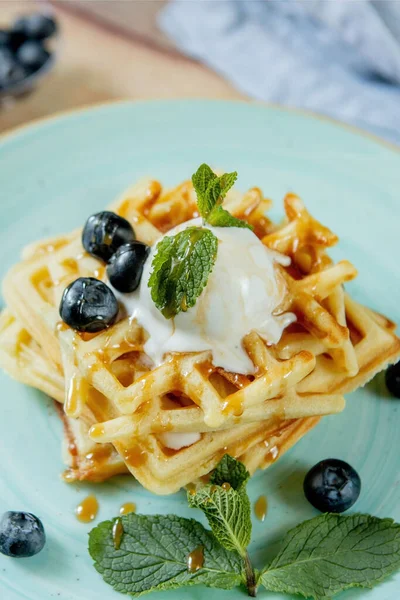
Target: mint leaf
(228, 513)
(227, 181)
(201, 180)
(216, 192)
(226, 504)
(232, 471)
(153, 555)
(211, 190)
(219, 217)
(162, 264)
(213, 197)
(227, 507)
(181, 267)
(331, 553)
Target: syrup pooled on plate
(128, 507)
(87, 510)
(260, 508)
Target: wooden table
(109, 49)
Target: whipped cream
(242, 294)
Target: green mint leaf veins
(181, 267)
(219, 217)
(332, 553)
(211, 191)
(228, 514)
(154, 552)
(201, 180)
(232, 471)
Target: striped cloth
(338, 57)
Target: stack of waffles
(117, 407)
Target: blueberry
(35, 26)
(10, 71)
(15, 39)
(32, 55)
(126, 266)
(21, 534)
(332, 485)
(104, 233)
(392, 378)
(88, 305)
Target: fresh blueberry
(88, 305)
(32, 55)
(10, 71)
(104, 233)
(21, 534)
(35, 26)
(332, 485)
(15, 39)
(393, 379)
(126, 266)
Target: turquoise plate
(56, 172)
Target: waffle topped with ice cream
(183, 324)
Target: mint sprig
(332, 553)
(226, 505)
(319, 558)
(228, 514)
(181, 267)
(211, 191)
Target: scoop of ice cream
(242, 294)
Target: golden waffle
(91, 362)
(176, 403)
(335, 345)
(351, 343)
(164, 471)
(157, 467)
(86, 460)
(23, 359)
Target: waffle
(114, 395)
(351, 343)
(23, 359)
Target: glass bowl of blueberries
(26, 53)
